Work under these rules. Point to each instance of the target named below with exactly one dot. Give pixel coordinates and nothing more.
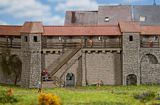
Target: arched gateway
(131, 79)
(70, 79)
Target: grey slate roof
(116, 14)
(151, 12)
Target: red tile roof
(32, 27)
(10, 30)
(129, 26)
(150, 30)
(81, 30)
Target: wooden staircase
(63, 60)
(62, 64)
(51, 67)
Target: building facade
(116, 45)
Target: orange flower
(10, 91)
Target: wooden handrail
(87, 44)
(66, 44)
(150, 44)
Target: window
(35, 39)
(106, 19)
(25, 38)
(142, 18)
(130, 38)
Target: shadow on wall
(11, 66)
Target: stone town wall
(150, 66)
(102, 67)
(4, 77)
(118, 68)
(49, 59)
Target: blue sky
(52, 12)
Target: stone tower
(31, 54)
(131, 48)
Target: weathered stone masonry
(119, 50)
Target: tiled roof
(129, 26)
(32, 27)
(10, 30)
(81, 30)
(150, 30)
(150, 12)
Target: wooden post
(158, 41)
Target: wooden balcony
(10, 45)
(62, 45)
(83, 45)
(102, 45)
(150, 45)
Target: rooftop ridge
(81, 26)
(11, 25)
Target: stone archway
(10, 68)
(70, 79)
(149, 68)
(15, 68)
(131, 79)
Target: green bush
(145, 96)
(48, 99)
(6, 96)
(157, 97)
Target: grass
(91, 95)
